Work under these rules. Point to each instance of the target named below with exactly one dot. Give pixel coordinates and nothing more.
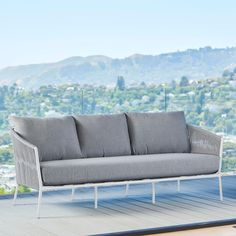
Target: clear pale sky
(51, 30)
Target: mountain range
(196, 64)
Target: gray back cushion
(56, 138)
(153, 133)
(103, 135)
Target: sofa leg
(220, 188)
(178, 185)
(72, 194)
(127, 190)
(153, 193)
(95, 197)
(15, 194)
(39, 203)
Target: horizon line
(120, 58)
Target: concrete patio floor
(198, 201)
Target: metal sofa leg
(39, 203)
(127, 190)
(178, 185)
(220, 187)
(95, 197)
(15, 194)
(153, 193)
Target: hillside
(195, 64)
(209, 103)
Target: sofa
(72, 152)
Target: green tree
(201, 98)
(184, 81)
(2, 191)
(227, 74)
(120, 84)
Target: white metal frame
(154, 182)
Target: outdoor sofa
(106, 150)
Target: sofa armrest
(204, 141)
(26, 162)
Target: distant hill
(195, 64)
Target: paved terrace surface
(198, 201)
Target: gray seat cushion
(153, 133)
(91, 170)
(56, 138)
(103, 135)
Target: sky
(52, 30)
